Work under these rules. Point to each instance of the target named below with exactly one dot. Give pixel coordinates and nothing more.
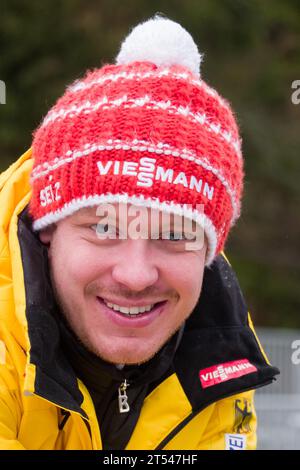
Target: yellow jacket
(43, 407)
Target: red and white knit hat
(147, 131)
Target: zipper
(123, 397)
(122, 400)
(112, 411)
(192, 415)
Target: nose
(136, 268)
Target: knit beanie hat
(146, 131)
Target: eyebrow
(88, 215)
(90, 212)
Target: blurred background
(252, 57)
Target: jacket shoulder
(228, 424)
(233, 424)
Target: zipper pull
(123, 398)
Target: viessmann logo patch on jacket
(222, 372)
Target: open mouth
(134, 311)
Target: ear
(46, 234)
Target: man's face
(154, 283)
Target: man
(122, 322)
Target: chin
(128, 357)
(126, 350)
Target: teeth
(122, 309)
(129, 310)
(134, 310)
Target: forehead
(121, 210)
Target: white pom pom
(162, 42)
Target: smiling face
(124, 297)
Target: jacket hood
(15, 192)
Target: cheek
(69, 264)
(187, 277)
(77, 263)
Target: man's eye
(173, 236)
(177, 236)
(104, 230)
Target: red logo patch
(223, 372)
